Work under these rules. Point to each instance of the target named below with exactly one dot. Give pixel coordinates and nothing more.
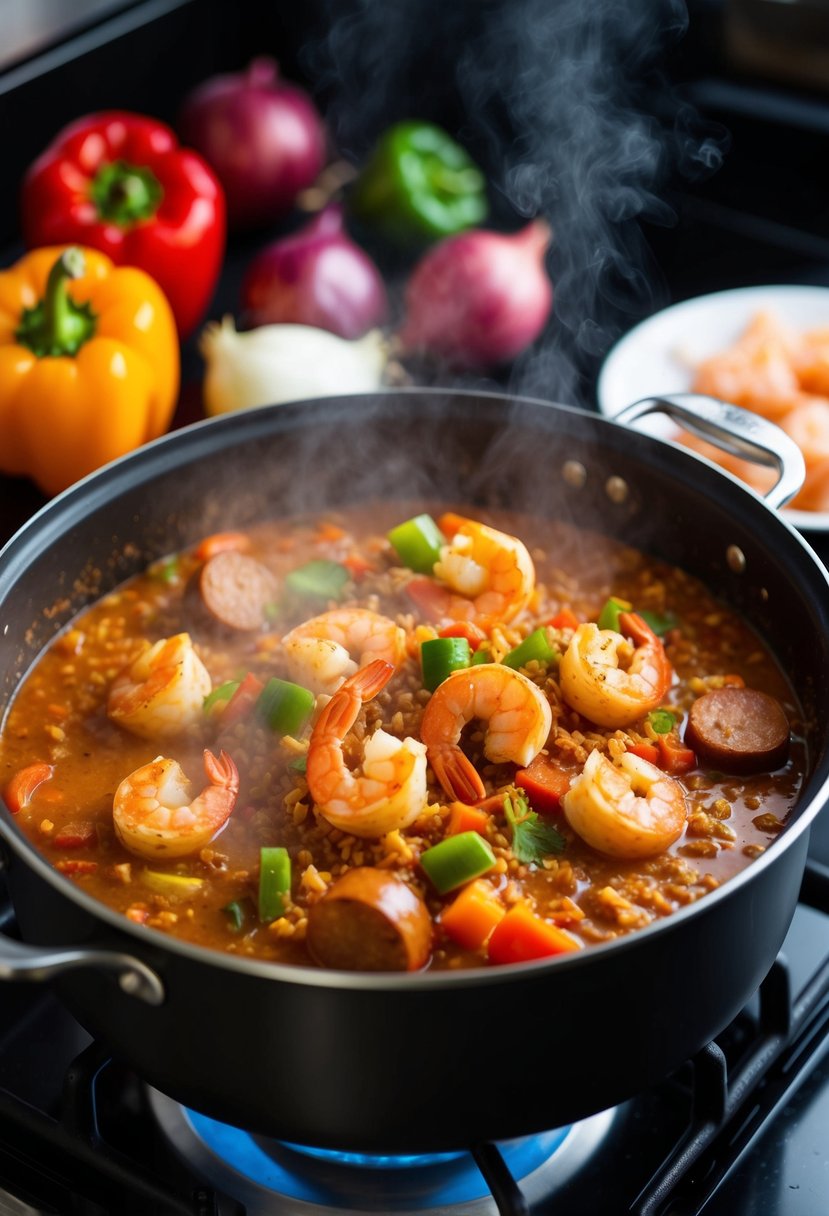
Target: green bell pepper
(419, 185)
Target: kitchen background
(674, 152)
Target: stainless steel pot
(428, 1061)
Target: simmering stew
(396, 737)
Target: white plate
(659, 355)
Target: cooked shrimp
(517, 716)
(608, 681)
(153, 813)
(161, 693)
(325, 650)
(756, 372)
(486, 576)
(808, 425)
(390, 792)
(629, 809)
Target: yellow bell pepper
(89, 364)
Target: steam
(567, 106)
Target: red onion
(264, 139)
(479, 298)
(316, 276)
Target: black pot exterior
(430, 1062)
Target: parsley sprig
(532, 838)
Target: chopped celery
(456, 860)
(417, 543)
(321, 579)
(286, 707)
(535, 646)
(439, 657)
(274, 881)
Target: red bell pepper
(121, 183)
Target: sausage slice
(738, 730)
(370, 920)
(236, 590)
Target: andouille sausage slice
(236, 590)
(370, 920)
(738, 730)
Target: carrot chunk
(466, 818)
(222, 542)
(645, 751)
(521, 936)
(20, 790)
(472, 915)
(564, 620)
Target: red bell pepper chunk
(79, 835)
(674, 757)
(241, 704)
(464, 629)
(645, 751)
(121, 183)
(20, 790)
(428, 596)
(521, 936)
(564, 620)
(544, 784)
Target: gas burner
(258, 1172)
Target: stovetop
(738, 1131)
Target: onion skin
(265, 140)
(317, 276)
(479, 298)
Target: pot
(431, 1061)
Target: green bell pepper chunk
(321, 579)
(457, 860)
(419, 185)
(286, 707)
(535, 646)
(610, 613)
(274, 882)
(439, 657)
(417, 542)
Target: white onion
(277, 363)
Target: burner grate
(731, 1108)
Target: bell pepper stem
(125, 194)
(57, 325)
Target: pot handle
(19, 961)
(734, 430)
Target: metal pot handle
(734, 430)
(37, 964)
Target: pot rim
(159, 456)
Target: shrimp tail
(221, 771)
(633, 626)
(339, 715)
(456, 773)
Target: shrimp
(630, 809)
(517, 715)
(319, 651)
(607, 682)
(756, 372)
(391, 790)
(160, 693)
(486, 576)
(154, 817)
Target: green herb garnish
(532, 838)
(662, 721)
